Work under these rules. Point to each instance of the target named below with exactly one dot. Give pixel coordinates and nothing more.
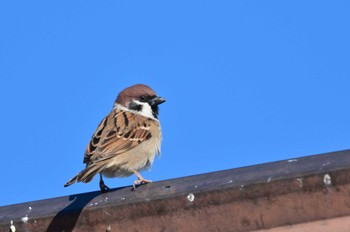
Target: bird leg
(140, 180)
(104, 188)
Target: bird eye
(143, 98)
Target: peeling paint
(327, 180)
(12, 227)
(96, 203)
(25, 219)
(166, 188)
(241, 188)
(300, 180)
(325, 164)
(190, 197)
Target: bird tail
(87, 174)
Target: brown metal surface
(271, 195)
(340, 224)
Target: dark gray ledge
(264, 196)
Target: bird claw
(105, 189)
(140, 182)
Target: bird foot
(140, 182)
(104, 188)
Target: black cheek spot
(135, 106)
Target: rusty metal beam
(272, 195)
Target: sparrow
(127, 139)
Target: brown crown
(133, 92)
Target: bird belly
(137, 159)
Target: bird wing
(118, 132)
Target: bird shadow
(66, 219)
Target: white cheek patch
(146, 109)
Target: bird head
(140, 98)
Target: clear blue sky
(246, 82)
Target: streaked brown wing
(119, 132)
(95, 140)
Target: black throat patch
(155, 111)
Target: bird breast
(139, 158)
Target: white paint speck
(300, 180)
(230, 181)
(292, 160)
(325, 164)
(195, 186)
(12, 227)
(269, 179)
(25, 219)
(327, 180)
(190, 197)
(29, 208)
(123, 198)
(96, 203)
(241, 188)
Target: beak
(157, 100)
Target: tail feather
(72, 181)
(87, 174)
